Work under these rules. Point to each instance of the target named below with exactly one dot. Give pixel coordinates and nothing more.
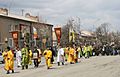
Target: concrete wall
(5, 23)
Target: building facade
(15, 31)
(43, 35)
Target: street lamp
(6, 40)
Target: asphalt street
(98, 66)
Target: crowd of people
(70, 54)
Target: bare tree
(65, 32)
(115, 37)
(72, 25)
(77, 24)
(102, 33)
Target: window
(10, 42)
(24, 29)
(14, 27)
(11, 27)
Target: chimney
(4, 11)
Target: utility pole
(9, 6)
(22, 12)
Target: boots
(71, 63)
(12, 71)
(22, 67)
(26, 66)
(58, 63)
(62, 63)
(48, 67)
(8, 72)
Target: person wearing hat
(9, 60)
(48, 55)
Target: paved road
(101, 66)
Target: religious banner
(35, 33)
(15, 35)
(71, 35)
(58, 33)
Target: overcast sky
(57, 12)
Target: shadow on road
(16, 72)
(53, 68)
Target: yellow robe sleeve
(49, 54)
(30, 53)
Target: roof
(86, 33)
(22, 18)
(18, 17)
(44, 24)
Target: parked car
(1, 58)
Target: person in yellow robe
(71, 59)
(25, 56)
(9, 60)
(4, 54)
(76, 55)
(30, 56)
(86, 51)
(90, 49)
(48, 55)
(40, 55)
(80, 52)
(66, 53)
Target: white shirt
(18, 53)
(60, 54)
